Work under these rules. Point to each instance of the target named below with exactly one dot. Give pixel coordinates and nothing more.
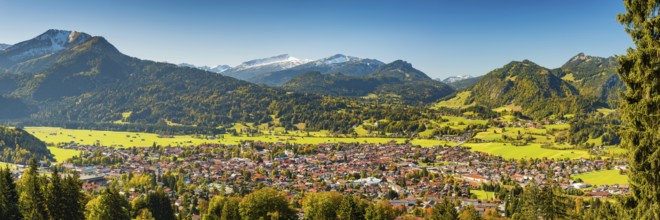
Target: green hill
(593, 76)
(538, 90)
(17, 146)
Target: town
(409, 177)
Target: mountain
(23, 144)
(593, 76)
(397, 79)
(462, 83)
(400, 70)
(4, 46)
(537, 90)
(257, 67)
(339, 63)
(93, 82)
(215, 69)
(41, 46)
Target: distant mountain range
(397, 79)
(4, 46)
(277, 70)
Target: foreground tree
(265, 203)
(8, 196)
(350, 209)
(75, 198)
(159, 205)
(469, 213)
(55, 197)
(640, 105)
(31, 201)
(109, 205)
(323, 205)
(443, 210)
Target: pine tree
(8, 196)
(160, 206)
(74, 199)
(55, 197)
(31, 200)
(349, 209)
(110, 205)
(640, 105)
(230, 209)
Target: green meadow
(483, 195)
(457, 102)
(56, 136)
(603, 177)
(509, 151)
(62, 154)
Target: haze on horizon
(442, 38)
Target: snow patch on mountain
(283, 61)
(46, 43)
(336, 59)
(453, 79)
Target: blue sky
(441, 38)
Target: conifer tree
(640, 105)
(55, 197)
(31, 201)
(160, 206)
(74, 199)
(8, 196)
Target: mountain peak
(337, 58)
(49, 42)
(402, 70)
(580, 57)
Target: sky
(440, 38)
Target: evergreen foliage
(640, 106)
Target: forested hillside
(394, 81)
(17, 146)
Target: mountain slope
(18, 146)
(4, 46)
(215, 69)
(339, 63)
(593, 76)
(536, 89)
(397, 79)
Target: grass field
(483, 195)
(497, 134)
(569, 77)
(603, 177)
(457, 102)
(606, 111)
(508, 108)
(62, 154)
(459, 123)
(130, 139)
(509, 151)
